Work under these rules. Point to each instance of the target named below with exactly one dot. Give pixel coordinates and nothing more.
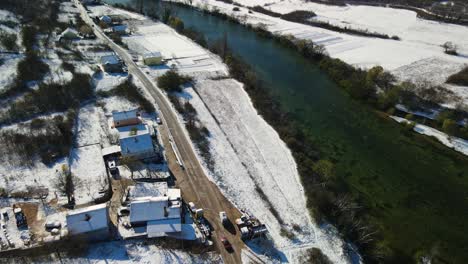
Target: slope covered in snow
(255, 170)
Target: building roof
(145, 189)
(87, 219)
(110, 150)
(152, 54)
(69, 32)
(110, 59)
(133, 131)
(159, 228)
(125, 115)
(105, 18)
(153, 208)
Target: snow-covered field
(176, 49)
(420, 43)
(455, 143)
(87, 164)
(249, 154)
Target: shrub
(315, 255)
(450, 127)
(171, 81)
(176, 23)
(236, 9)
(51, 97)
(8, 41)
(460, 78)
(31, 68)
(128, 90)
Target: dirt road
(193, 182)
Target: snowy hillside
(255, 170)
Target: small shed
(91, 222)
(152, 58)
(111, 63)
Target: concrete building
(152, 58)
(91, 222)
(111, 63)
(125, 118)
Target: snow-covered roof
(110, 150)
(173, 194)
(145, 189)
(153, 208)
(152, 54)
(159, 228)
(124, 115)
(110, 59)
(87, 219)
(69, 32)
(105, 18)
(135, 139)
(133, 130)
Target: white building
(136, 141)
(161, 215)
(92, 222)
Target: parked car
(223, 217)
(53, 225)
(192, 207)
(227, 245)
(158, 120)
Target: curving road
(192, 180)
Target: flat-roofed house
(136, 142)
(91, 222)
(111, 63)
(160, 215)
(125, 118)
(152, 58)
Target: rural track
(200, 189)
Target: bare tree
(65, 183)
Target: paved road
(192, 180)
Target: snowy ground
(8, 69)
(179, 51)
(420, 45)
(455, 143)
(88, 166)
(105, 81)
(123, 252)
(249, 154)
